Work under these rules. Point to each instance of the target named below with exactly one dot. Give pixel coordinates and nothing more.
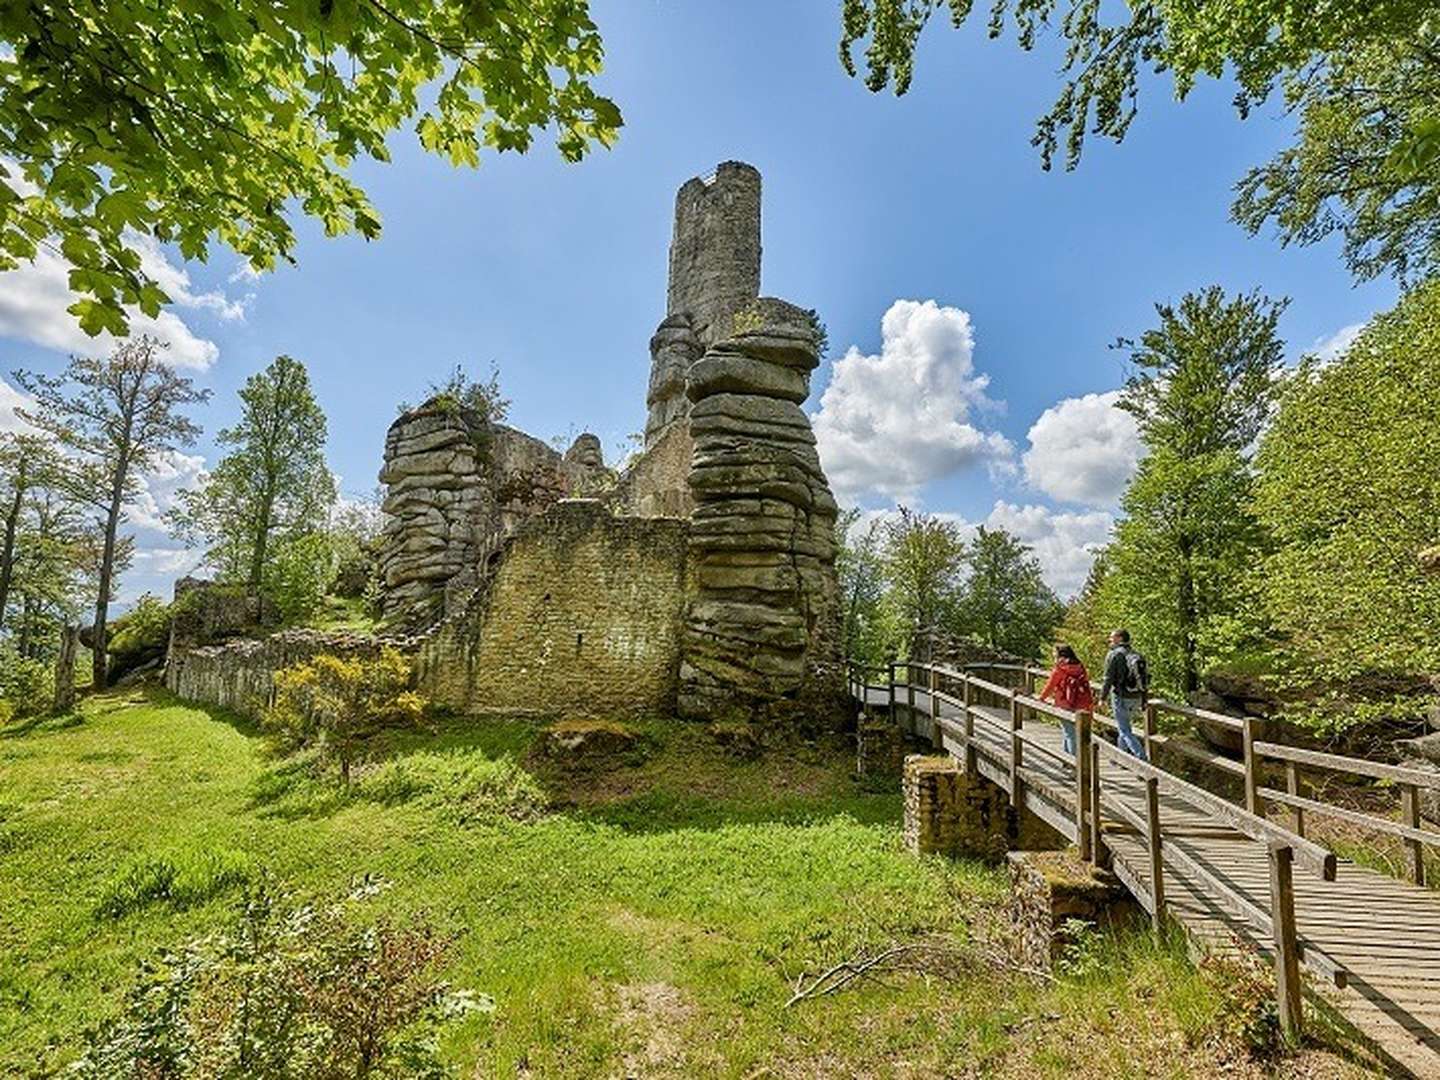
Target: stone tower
(715, 249)
(714, 273)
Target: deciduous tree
(1005, 602)
(115, 416)
(1360, 73)
(272, 482)
(1178, 571)
(924, 559)
(1349, 490)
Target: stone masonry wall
(240, 674)
(715, 249)
(657, 484)
(582, 615)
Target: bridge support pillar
(951, 812)
(1049, 889)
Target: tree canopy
(1361, 74)
(1005, 603)
(1349, 491)
(115, 417)
(1178, 571)
(272, 483)
(201, 120)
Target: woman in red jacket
(1068, 687)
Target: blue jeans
(1067, 731)
(1124, 709)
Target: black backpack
(1137, 674)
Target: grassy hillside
(650, 918)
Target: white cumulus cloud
(892, 422)
(10, 400)
(1331, 348)
(1063, 542)
(34, 298)
(173, 472)
(1083, 450)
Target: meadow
(650, 916)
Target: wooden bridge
(1370, 942)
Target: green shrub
(181, 882)
(26, 685)
(464, 787)
(338, 705)
(289, 991)
(140, 635)
(1244, 990)
(300, 575)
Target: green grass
(343, 613)
(650, 917)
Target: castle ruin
(698, 581)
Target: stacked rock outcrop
(762, 636)
(455, 482)
(436, 508)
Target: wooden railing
(1086, 802)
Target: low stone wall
(1049, 892)
(581, 614)
(240, 674)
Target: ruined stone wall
(240, 674)
(581, 616)
(762, 630)
(454, 483)
(658, 483)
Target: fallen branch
(943, 958)
(846, 972)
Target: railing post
(1084, 808)
(1149, 731)
(893, 718)
(1282, 920)
(968, 696)
(1292, 785)
(1097, 835)
(1252, 766)
(1017, 794)
(1157, 862)
(937, 736)
(1410, 804)
(910, 692)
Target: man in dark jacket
(1126, 686)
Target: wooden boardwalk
(1370, 942)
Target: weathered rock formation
(762, 634)
(456, 483)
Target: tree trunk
(64, 698)
(7, 556)
(1187, 617)
(26, 644)
(262, 538)
(98, 657)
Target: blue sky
(556, 272)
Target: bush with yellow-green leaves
(339, 704)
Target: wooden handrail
(1355, 817)
(1358, 766)
(1319, 859)
(1235, 723)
